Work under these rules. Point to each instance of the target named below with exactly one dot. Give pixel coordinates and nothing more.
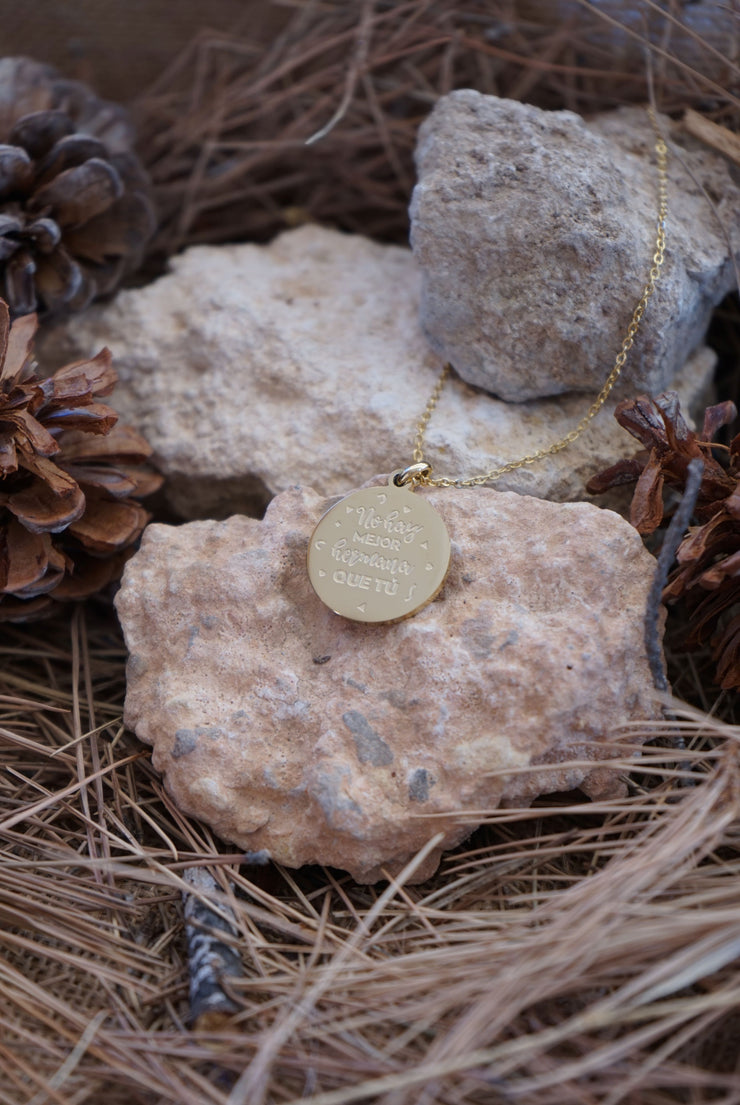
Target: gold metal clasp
(416, 474)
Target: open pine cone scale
(30, 564)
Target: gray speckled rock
(290, 729)
(535, 232)
(703, 38)
(253, 368)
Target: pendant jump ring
(417, 473)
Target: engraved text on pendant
(379, 555)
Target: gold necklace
(382, 553)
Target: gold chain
(661, 152)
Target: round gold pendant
(379, 555)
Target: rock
(252, 368)
(619, 30)
(292, 730)
(535, 232)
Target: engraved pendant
(379, 555)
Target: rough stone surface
(703, 40)
(535, 230)
(290, 729)
(250, 369)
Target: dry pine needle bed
(576, 952)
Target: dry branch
(213, 962)
(718, 138)
(666, 558)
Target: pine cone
(68, 477)
(707, 579)
(75, 208)
(669, 447)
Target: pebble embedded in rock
(535, 232)
(290, 729)
(252, 368)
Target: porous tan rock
(252, 368)
(535, 232)
(290, 729)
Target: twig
(211, 960)
(712, 134)
(358, 62)
(73, 1059)
(673, 537)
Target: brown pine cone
(75, 207)
(707, 580)
(69, 478)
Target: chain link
(661, 153)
